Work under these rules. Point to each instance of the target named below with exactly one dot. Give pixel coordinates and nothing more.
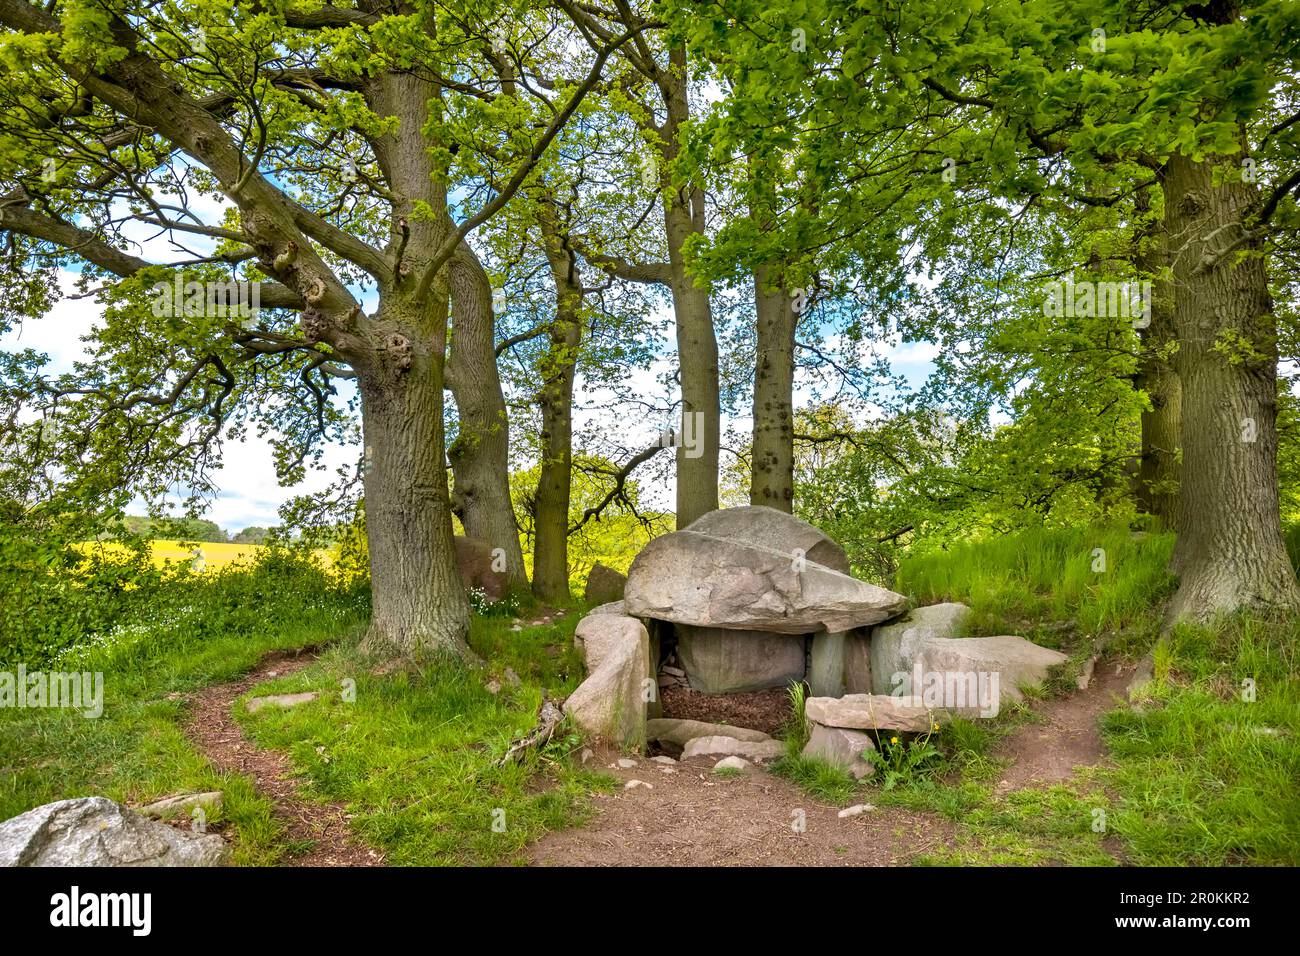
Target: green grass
(817, 778)
(1045, 576)
(136, 752)
(1200, 776)
(1205, 777)
(413, 755)
(1052, 826)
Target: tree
(1025, 101)
(253, 534)
(657, 96)
(1161, 458)
(327, 136)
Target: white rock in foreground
(95, 831)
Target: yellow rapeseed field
(203, 556)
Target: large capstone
(769, 528)
(706, 581)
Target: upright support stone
(826, 672)
(611, 703)
(654, 707)
(857, 661)
(719, 661)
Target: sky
(249, 491)
(250, 494)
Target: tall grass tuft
(1102, 578)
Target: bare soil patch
(1043, 754)
(694, 818)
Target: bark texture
(480, 455)
(772, 477)
(697, 344)
(554, 483)
(1158, 466)
(418, 601)
(1229, 553)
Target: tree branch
(453, 241)
(620, 480)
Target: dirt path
(1042, 754)
(694, 818)
(215, 732)
(687, 817)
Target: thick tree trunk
(1229, 553)
(1158, 467)
(699, 438)
(480, 455)
(1159, 470)
(554, 483)
(699, 433)
(772, 478)
(419, 605)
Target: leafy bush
(60, 602)
(53, 596)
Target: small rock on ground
(279, 700)
(732, 763)
(182, 804)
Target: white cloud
(249, 492)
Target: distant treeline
(191, 529)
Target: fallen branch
(537, 738)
